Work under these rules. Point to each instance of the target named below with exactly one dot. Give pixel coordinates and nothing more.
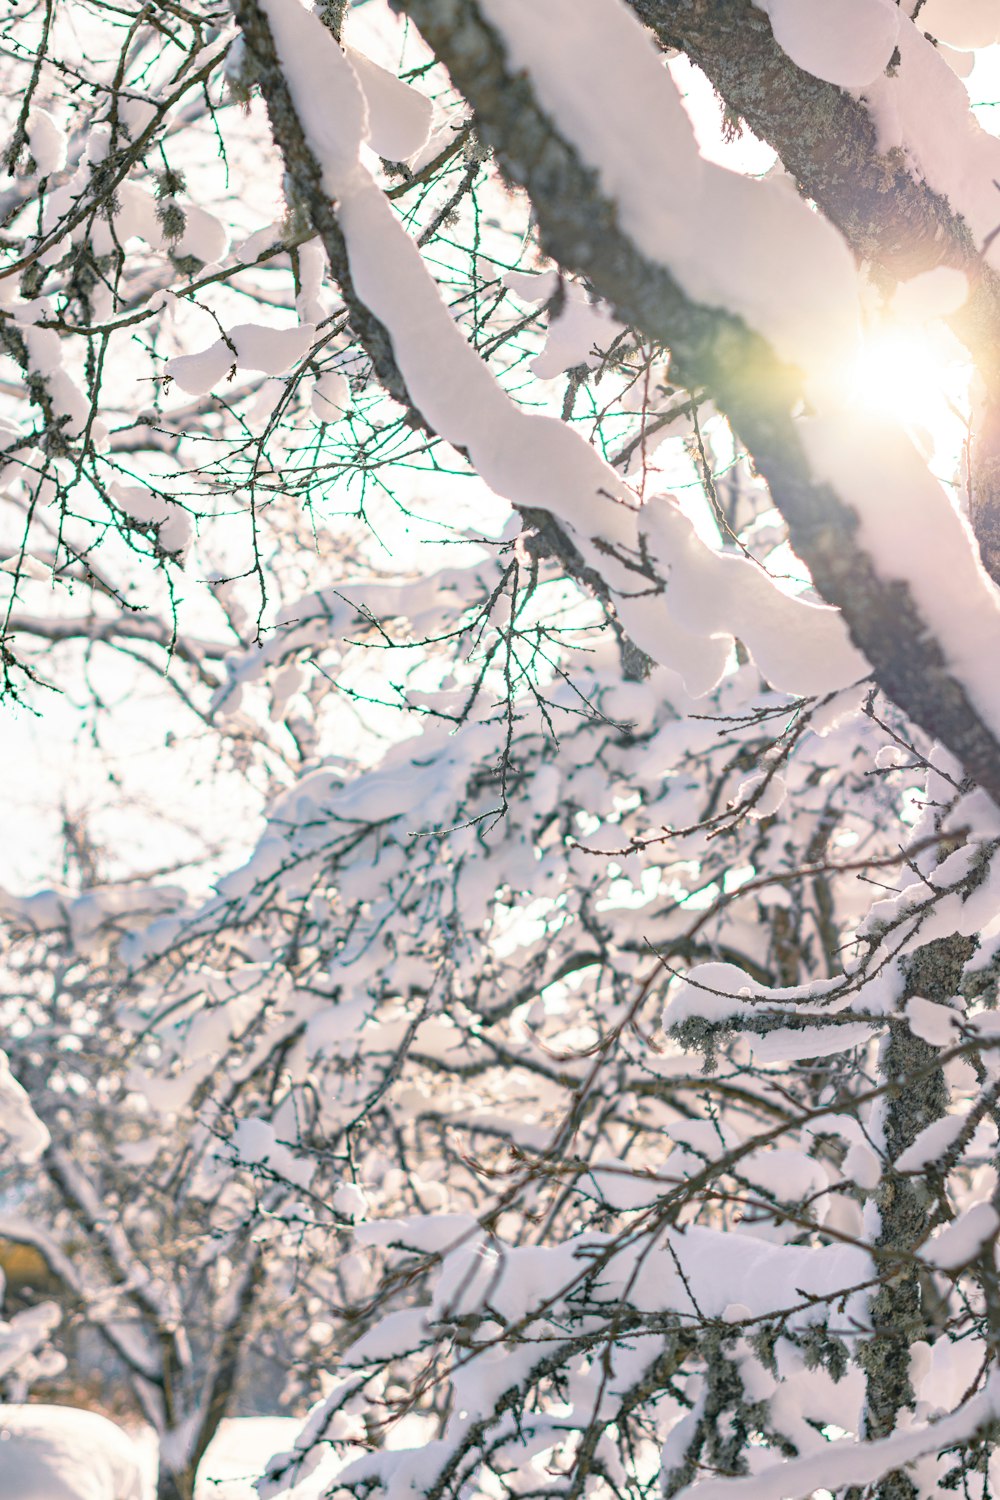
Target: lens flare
(919, 376)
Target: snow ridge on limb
(848, 43)
(536, 462)
(900, 622)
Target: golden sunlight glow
(899, 375)
(918, 375)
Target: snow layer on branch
(722, 992)
(45, 356)
(205, 237)
(327, 92)
(792, 1045)
(172, 522)
(924, 111)
(711, 593)
(399, 117)
(935, 1024)
(20, 1128)
(535, 460)
(963, 1239)
(962, 23)
(913, 532)
(576, 331)
(46, 142)
(425, 1235)
(22, 1336)
(793, 279)
(248, 346)
(392, 1336)
(846, 42)
(255, 1143)
(931, 1144)
(136, 214)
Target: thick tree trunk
(917, 1096)
(175, 1486)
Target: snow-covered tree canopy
(507, 495)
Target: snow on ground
(64, 1453)
(237, 1455)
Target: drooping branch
(305, 175)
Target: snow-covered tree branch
(500, 500)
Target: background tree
(142, 1233)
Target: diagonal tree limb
(579, 228)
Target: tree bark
(917, 1096)
(890, 218)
